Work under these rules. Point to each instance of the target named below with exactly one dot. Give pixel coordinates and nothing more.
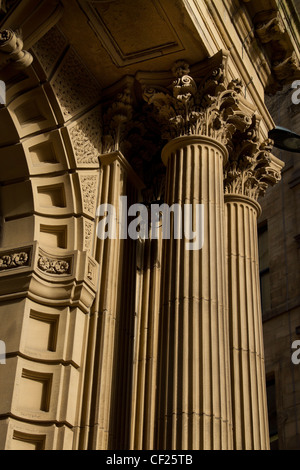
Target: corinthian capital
(208, 106)
(252, 168)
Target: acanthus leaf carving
(216, 107)
(253, 170)
(211, 108)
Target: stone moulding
(55, 279)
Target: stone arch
(49, 155)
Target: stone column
(146, 351)
(199, 119)
(106, 397)
(195, 401)
(211, 127)
(247, 177)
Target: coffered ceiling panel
(132, 31)
(117, 38)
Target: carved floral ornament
(211, 109)
(13, 260)
(216, 109)
(53, 266)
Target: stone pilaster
(250, 170)
(145, 359)
(113, 254)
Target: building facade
(123, 342)
(279, 270)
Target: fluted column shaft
(194, 393)
(146, 353)
(109, 252)
(116, 260)
(245, 317)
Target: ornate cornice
(279, 38)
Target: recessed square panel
(114, 21)
(23, 441)
(35, 390)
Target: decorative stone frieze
(49, 49)
(88, 233)
(54, 266)
(86, 141)
(11, 50)
(89, 187)
(75, 88)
